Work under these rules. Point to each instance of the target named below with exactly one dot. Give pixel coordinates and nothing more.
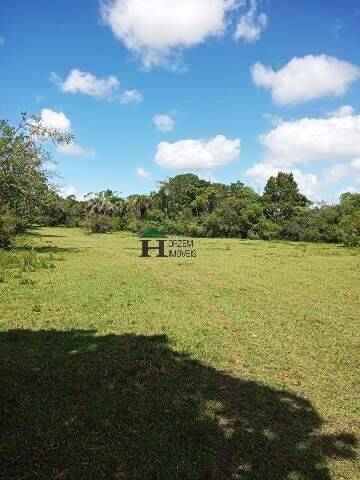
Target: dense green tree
(179, 192)
(282, 198)
(350, 202)
(349, 229)
(24, 180)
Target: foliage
(349, 229)
(97, 223)
(24, 181)
(186, 205)
(182, 205)
(282, 199)
(6, 231)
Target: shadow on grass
(80, 406)
(46, 249)
(36, 233)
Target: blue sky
(229, 89)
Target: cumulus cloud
(336, 173)
(313, 139)
(74, 149)
(308, 183)
(163, 122)
(87, 84)
(197, 154)
(141, 172)
(52, 119)
(305, 79)
(343, 111)
(155, 30)
(306, 142)
(131, 96)
(252, 24)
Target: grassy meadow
(241, 363)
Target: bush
(20, 225)
(9, 227)
(74, 222)
(117, 224)
(265, 230)
(349, 230)
(135, 225)
(292, 229)
(5, 234)
(97, 224)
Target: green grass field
(242, 363)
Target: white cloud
(305, 79)
(155, 30)
(308, 183)
(252, 24)
(313, 139)
(208, 176)
(87, 84)
(261, 172)
(307, 141)
(53, 119)
(336, 173)
(350, 189)
(343, 111)
(131, 96)
(355, 169)
(74, 149)
(141, 172)
(197, 154)
(163, 122)
(2, 41)
(68, 190)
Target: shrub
(349, 230)
(74, 222)
(292, 229)
(134, 225)
(117, 224)
(98, 224)
(265, 230)
(8, 229)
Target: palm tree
(141, 204)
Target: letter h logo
(145, 248)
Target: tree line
(182, 205)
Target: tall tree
(282, 198)
(24, 181)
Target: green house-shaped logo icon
(152, 233)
